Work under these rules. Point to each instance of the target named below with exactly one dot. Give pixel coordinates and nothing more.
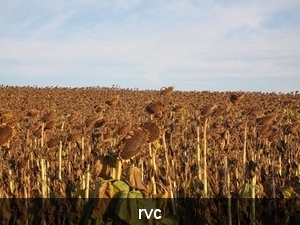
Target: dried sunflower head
(74, 137)
(49, 116)
(166, 91)
(152, 129)
(14, 120)
(5, 116)
(113, 102)
(207, 110)
(132, 145)
(155, 107)
(33, 113)
(6, 133)
(292, 128)
(236, 98)
(50, 125)
(124, 129)
(53, 142)
(178, 108)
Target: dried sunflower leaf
(134, 177)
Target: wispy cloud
(159, 41)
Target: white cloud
(176, 37)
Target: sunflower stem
(153, 163)
(60, 160)
(166, 152)
(204, 158)
(119, 169)
(198, 154)
(227, 183)
(253, 185)
(87, 184)
(245, 152)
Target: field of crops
(97, 155)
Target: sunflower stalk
(42, 135)
(26, 204)
(47, 179)
(142, 169)
(60, 155)
(228, 196)
(167, 173)
(60, 160)
(11, 181)
(172, 197)
(87, 183)
(280, 166)
(82, 182)
(245, 152)
(274, 191)
(43, 178)
(253, 185)
(204, 157)
(174, 182)
(44, 195)
(153, 164)
(118, 169)
(166, 152)
(153, 158)
(198, 154)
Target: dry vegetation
(73, 144)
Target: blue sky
(232, 45)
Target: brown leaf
(106, 190)
(105, 194)
(134, 177)
(103, 165)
